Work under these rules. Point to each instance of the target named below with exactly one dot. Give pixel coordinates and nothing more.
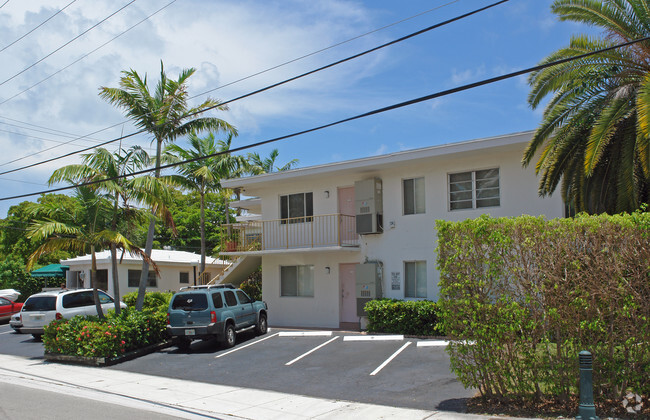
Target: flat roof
(386, 160)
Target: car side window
(104, 298)
(231, 300)
(74, 300)
(4, 301)
(217, 300)
(243, 297)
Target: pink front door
(347, 223)
(346, 201)
(348, 303)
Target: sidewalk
(193, 400)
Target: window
(78, 300)
(243, 297)
(190, 302)
(473, 190)
(4, 301)
(40, 303)
(231, 300)
(134, 278)
(415, 276)
(184, 277)
(297, 280)
(413, 195)
(217, 300)
(296, 207)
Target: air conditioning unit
(368, 284)
(369, 206)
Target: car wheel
(230, 336)
(37, 337)
(261, 326)
(184, 343)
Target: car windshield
(40, 303)
(190, 302)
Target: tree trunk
(93, 283)
(116, 280)
(144, 276)
(202, 267)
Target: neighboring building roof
(385, 161)
(160, 256)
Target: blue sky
(228, 40)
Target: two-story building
(330, 237)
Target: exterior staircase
(238, 271)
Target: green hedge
(89, 336)
(520, 297)
(403, 317)
(152, 300)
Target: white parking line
(383, 365)
(433, 343)
(373, 338)
(310, 351)
(306, 334)
(247, 345)
(6, 332)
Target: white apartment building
(330, 237)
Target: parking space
(389, 370)
(19, 344)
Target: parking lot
(388, 370)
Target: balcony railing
(296, 232)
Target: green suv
(221, 311)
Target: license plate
(189, 332)
(37, 316)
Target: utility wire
(69, 42)
(3, 4)
(38, 26)
(87, 54)
(356, 117)
(243, 78)
(323, 49)
(279, 83)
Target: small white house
(177, 269)
(330, 237)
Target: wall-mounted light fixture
(327, 194)
(327, 270)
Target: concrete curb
(105, 361)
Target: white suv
(42, 308)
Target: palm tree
(259, 165)
(165, 115)
(204, 176)
(102, 165)
(85, 232)
(595, 131)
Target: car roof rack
(210, 286)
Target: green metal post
(586, 410)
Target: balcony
(332, 230)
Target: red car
(8, 308)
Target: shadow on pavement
(458, 405)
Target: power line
(3, 4)
(241, 79)
(87, 54)
(356, 117)
(430, 28)
(69, 42)
(338, 44)
(38, 26)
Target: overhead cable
(69, 42)
(279, 83)
(356, 117)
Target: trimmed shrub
(115, 335)
(152, 300)
(521, 297)
(253, 285)
(403, 317)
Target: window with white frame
(474, 189)
(297, 207)
(413, 192)
(415, 278)
(297, 280)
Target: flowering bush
(111, 337)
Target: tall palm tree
(102, 165)
(595, 131)
(165, 115)
(204, 176)
(259, 165)
(86, 231)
